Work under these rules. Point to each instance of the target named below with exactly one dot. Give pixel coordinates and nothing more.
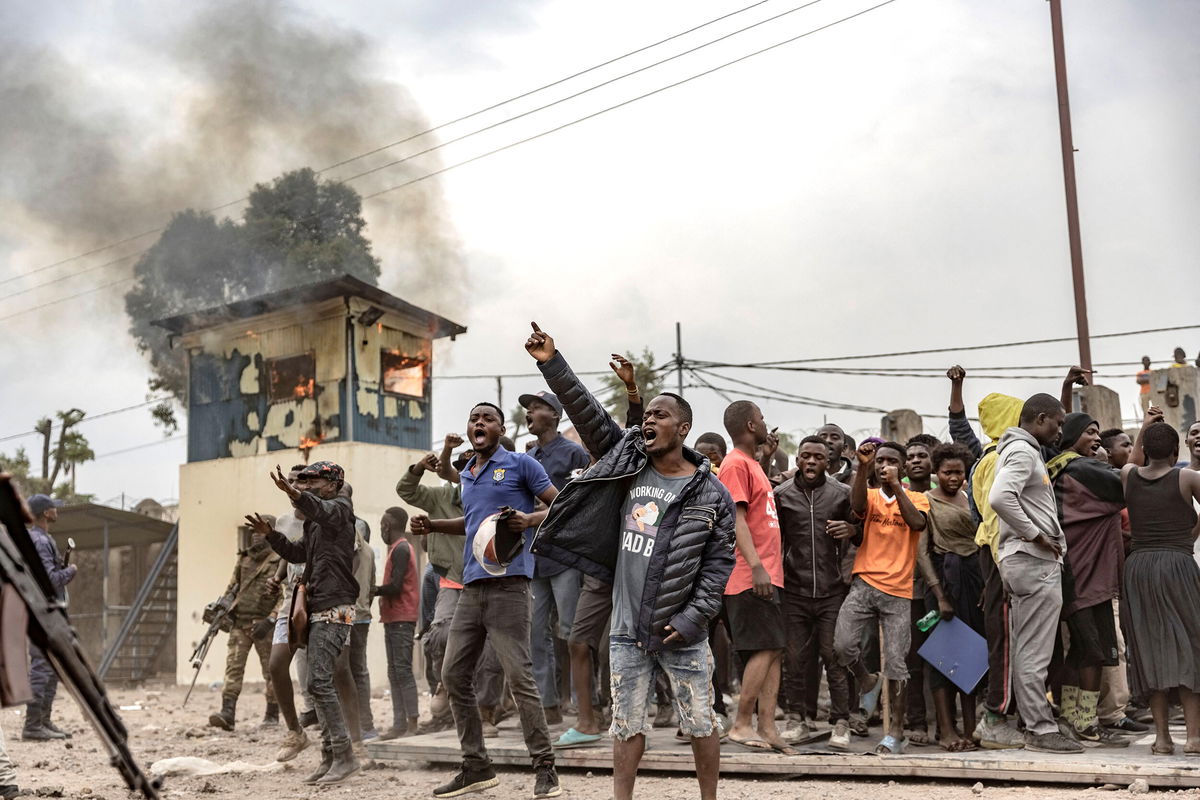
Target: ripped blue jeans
(689, 669)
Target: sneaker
(840, 740)
(368, 735)
(1127, 725)
(858, 724)
(294, 743)
(546, 784)
(308, 718)
(1139, 714)
(9, 790)
(553, 715)
(1053, 742)
(798, 732)
(997, 734)
(468, 781)
(1095, 735)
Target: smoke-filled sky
(892, 183)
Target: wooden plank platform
(1092, 767)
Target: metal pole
(679, 358)
(104, 592)
(500, 391)
(1068, 158)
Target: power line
(140, 446)
(798, 398)
(956, 349)
(417, 135)
(569, 97)
(90, 417)
(531, 138)
(623, 103)
(68, 297)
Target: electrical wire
(90, 417)
(142, 446)
(530, 138)
(419, 134)
(569, 97)
(957, 348)
(623, 103)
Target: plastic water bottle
(926, 623)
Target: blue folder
(957, 652)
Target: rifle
(217, 615)
(49, 629)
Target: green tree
(18, 466)
(295, 230)
(59, 458)
(649, 379)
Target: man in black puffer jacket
(651, 519)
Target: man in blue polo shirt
(495, 602)
(554, 585)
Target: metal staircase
(150, 622)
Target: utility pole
(679, 358)
(1068, 158)
(500, 391)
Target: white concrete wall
(214, 496)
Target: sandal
(918, 738)
(890, 746)
(786, 750)
(572, 738)
(757, 745)
(870, 700)
(959, 746)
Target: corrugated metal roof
(345, 286)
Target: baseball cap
(546, 397)
(40, 503)
(495, 548)
(323, 469)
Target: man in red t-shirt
(398, 601)
(752, 595)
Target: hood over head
(999, 412)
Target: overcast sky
(892, 183)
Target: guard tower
(338, 370)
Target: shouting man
(649, 518)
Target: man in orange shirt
(753, 603)
(1143, 380)
(881, 592)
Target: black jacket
(811, 557)
(327, 550)
(693, 552)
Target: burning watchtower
(341, 367)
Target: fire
(304, 389)
(307, 444)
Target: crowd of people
(629, 581)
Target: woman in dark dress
(1161, 603)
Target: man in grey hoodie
(1030, 549)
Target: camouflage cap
(323, 469)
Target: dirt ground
(159, 729)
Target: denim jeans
(489, 677)
(495, 610)
(689, 672)
(398, 641)
(325, 643)
(430, 583)
(362, 677)
(560, 592)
